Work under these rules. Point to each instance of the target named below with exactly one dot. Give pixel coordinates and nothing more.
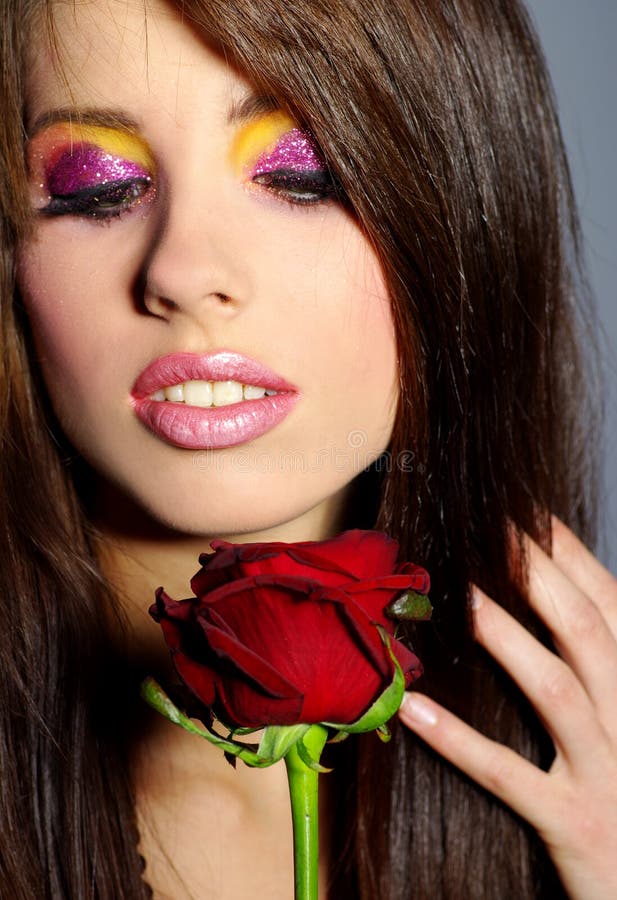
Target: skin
(297, 279)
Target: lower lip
(213, 428)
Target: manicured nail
(477, 598)
(415, 708)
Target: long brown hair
(67, 814)
(438, 121)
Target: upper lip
(222, 365)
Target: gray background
(579, 39)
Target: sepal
(307, 758)
(278, 739)
(338, 737)
(384, 734)
(154, 694)
(410, 606)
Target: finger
(546, 680)
(585, 571)
(517, 782)
(580, 629)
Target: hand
(573, 806)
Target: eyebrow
(111, 118)
(249, 107)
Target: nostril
(155, 305)
(160, 307)
(167, 304)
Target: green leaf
(410, 606)
(386, 704)
(158, 699)
(277, 739)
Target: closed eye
(301, 188)
(101, 201)
(88, 170)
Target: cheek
(69, 330)
(48, 290)
(369, 380)
(349, 338)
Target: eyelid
(47, 145)
(295, 152)
(73, 168)
(256, 138)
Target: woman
(418, 311)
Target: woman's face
(187, 247)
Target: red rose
(279, 634)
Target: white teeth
(252, 392)
(211, 393)
(175, 393)
(226, 392)
(198, 393)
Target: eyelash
(100, 202)
(299, 188)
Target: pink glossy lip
(196, 428)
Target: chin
(225, 506)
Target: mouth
(205, 394)
(212, 401)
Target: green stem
(303, 791)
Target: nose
(194, 263)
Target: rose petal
(340, 698)
(318, 650)
(368, 637)
(200, 679)
(250, 664)
(246, 585)
(353, 553)
(420, 579)
(408, 661)
(172, 634)
(166, 607)
(244, 706)
(361, 553)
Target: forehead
(127, 52)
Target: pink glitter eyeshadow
(296, 151)
(88, 166)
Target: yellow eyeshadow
(256, 138)
(114, 141)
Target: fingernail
(476, 598)
(415, 708)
